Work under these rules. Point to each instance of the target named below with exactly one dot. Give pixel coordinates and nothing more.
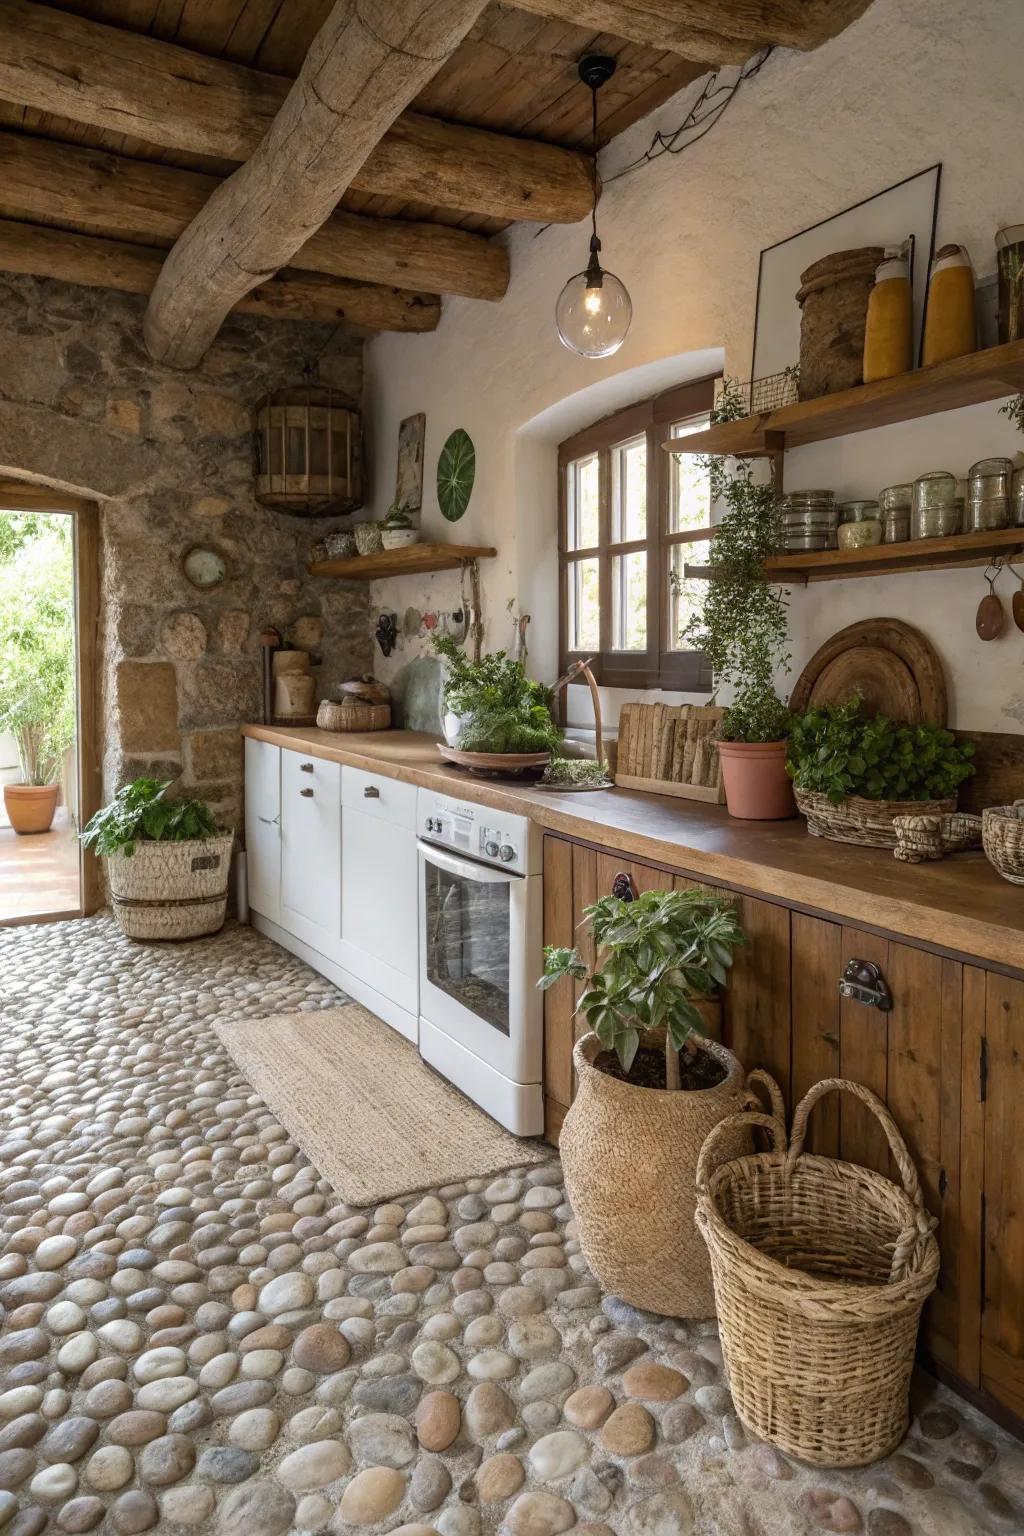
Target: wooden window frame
(658, 666)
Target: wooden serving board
(884, 684)
(907, 644)
(666, 749)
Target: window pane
(582, 530)
(629, 491)
(689, 499)
(686, 597)
(584, 606)
(629, 602)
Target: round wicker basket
(869, 822)
(821, 1270)
(171, 890)
(629, 1155)
(352, 714)
(1002, 837)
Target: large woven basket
(171, 890)
(854, 820)
(1002, 837)
(821, 1269)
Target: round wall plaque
(456, 471)
(204, 567)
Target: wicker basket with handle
(1002, 837)
(855, 820)
(821, 1269)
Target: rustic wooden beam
(105, 194)
(167, 95)
(290, 295)
(708, 31)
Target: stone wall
(169, 457)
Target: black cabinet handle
(863, 982)
(371, 792)
(305, 767)
(307, 794)
(624, 886)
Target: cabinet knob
(305, 767)
(624, 886)
(863, 982)
(307, 794)
(371, 792)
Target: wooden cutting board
(884, 686)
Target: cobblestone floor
(198, 1337)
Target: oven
(481, 956)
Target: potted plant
(742, 631)
(167, 862)
(396, 527)
(651, 1086)
(37, 661)
(854, 774)
(491, 705)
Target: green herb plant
(576, 770)
(502, 710)
(142, 812)
(741, 626)
(397, 516)
(657, 954)
(1014, 409)
(839, 751)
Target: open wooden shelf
(413, 560)
(970, 380)
(959, 549)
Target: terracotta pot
(629, 1155)
(757, 786)
(31, 807)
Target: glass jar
(895, 502)
(1017, 499)
(863, 534)
(935, 510)
(988, 495)
(808, 520)
(859, 511)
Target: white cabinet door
(263, 827)
(311, 850)
(379, 928)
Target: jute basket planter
(869, 822)
(1002, 835)
(629, 1155)
(171, 890)
(821, 1270)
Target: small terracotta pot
(757, 786)
(31, 807)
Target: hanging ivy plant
(456, 471)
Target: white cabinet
(263, 827)
(311, 851)
(378, 902)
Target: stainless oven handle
(466, 869)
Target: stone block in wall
(220, 693)
(142, 767)
(212, 755)
(147, 706)
(134, 628)
(233, 630)
(307, 632)
(183, 635)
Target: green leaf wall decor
(456, 471)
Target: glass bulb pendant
(593, 310)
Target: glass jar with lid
(989, 485)
(860, 525)
(936, 513)
(808, 520)
(895, 502)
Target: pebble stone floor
(199, 1337)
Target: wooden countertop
(958, 904)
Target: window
(632, 517)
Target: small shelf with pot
(970, 380)
(959, 549)
(413, 559)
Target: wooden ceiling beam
(708, 31)
(92, 191)
(39, 251)
(166, 95)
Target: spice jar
(935, 510)
(860, 525)
(950, 327)
(895, 503)
(988, 495)
(888, 332)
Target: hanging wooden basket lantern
(309, 453)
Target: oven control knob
(432, 825)
(491, 850)
(506, 853)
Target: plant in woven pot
(167, 862)
(650, 1088)
(854, 774)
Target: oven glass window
(467, 943)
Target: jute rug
(364, 1108)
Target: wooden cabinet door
(1002, 1093)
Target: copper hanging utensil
(991, 619)
(1018, 602)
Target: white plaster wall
(912, 82)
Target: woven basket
(171, 890)
(870, 822)
(629, 1155)
(932, 837)
(353, 714)
(1002, 837)
(821, 1270)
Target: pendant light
(594, 309)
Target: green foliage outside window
(37, 640)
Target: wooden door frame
(25, 496)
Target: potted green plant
(167, 862)
(854, 773)
(651, 1086)
(37, 661)
(396, 527)
(742, 630)
(492, 706)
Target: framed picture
(409, 473)
(902, 214)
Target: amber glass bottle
(888, 337)
(950, 328)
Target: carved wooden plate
(884, 684)
(905, 643)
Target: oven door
(480, 960)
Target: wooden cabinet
(947, 1058)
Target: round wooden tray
(893, 667)
(494, 762)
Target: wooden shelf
(960, 549)
(987, 375)
(413, 560)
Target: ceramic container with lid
(950, 327)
